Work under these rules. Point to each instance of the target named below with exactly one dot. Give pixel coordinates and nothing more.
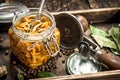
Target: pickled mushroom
(33, 53)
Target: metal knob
(83, 48)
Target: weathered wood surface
(97, 15)
(102, 9)
(69, 5)
(104, 3)
(5, 55)
(107, 75)
(56, 5)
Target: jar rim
(37, 36)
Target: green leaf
(117, 44)
(20, 76)
(104, 42)
(45, 74)
(115, 52)
(98, 32)
(115, 32)
(110, 40)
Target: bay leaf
(104, 42)
(98, 32)
(114, 32)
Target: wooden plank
(103, 3)
(107, 75)
(28, 3)
(56, 5)
(75, 12)
(66, 5)
(96, 15)
(82, 8)
(69, 5)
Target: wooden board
(59, 5)
(97, 10)
(107, 75)
(70, 5)
(97, 15)
(94, 4)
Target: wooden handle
(112, 61)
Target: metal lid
(8, 10)
(71, 30)
(78, 64)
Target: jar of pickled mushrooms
(34, 41)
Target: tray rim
(75, 12)
(97, 75)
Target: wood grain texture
(69, 5)
(56, 5)
(103, 3)
(96, 15)
(107, 75)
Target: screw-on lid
(8, 10)
(71, 30)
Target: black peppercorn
(63, 61)
(6, 52)
(1, 40)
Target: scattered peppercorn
(1, 39)
(66, 52)
(49, 66)
(63, 61)
(6, 52)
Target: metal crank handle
(112, 61)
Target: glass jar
(33, 41)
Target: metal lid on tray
(8, 10)
(78, 64)
(71, 30)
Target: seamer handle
(112, 61)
